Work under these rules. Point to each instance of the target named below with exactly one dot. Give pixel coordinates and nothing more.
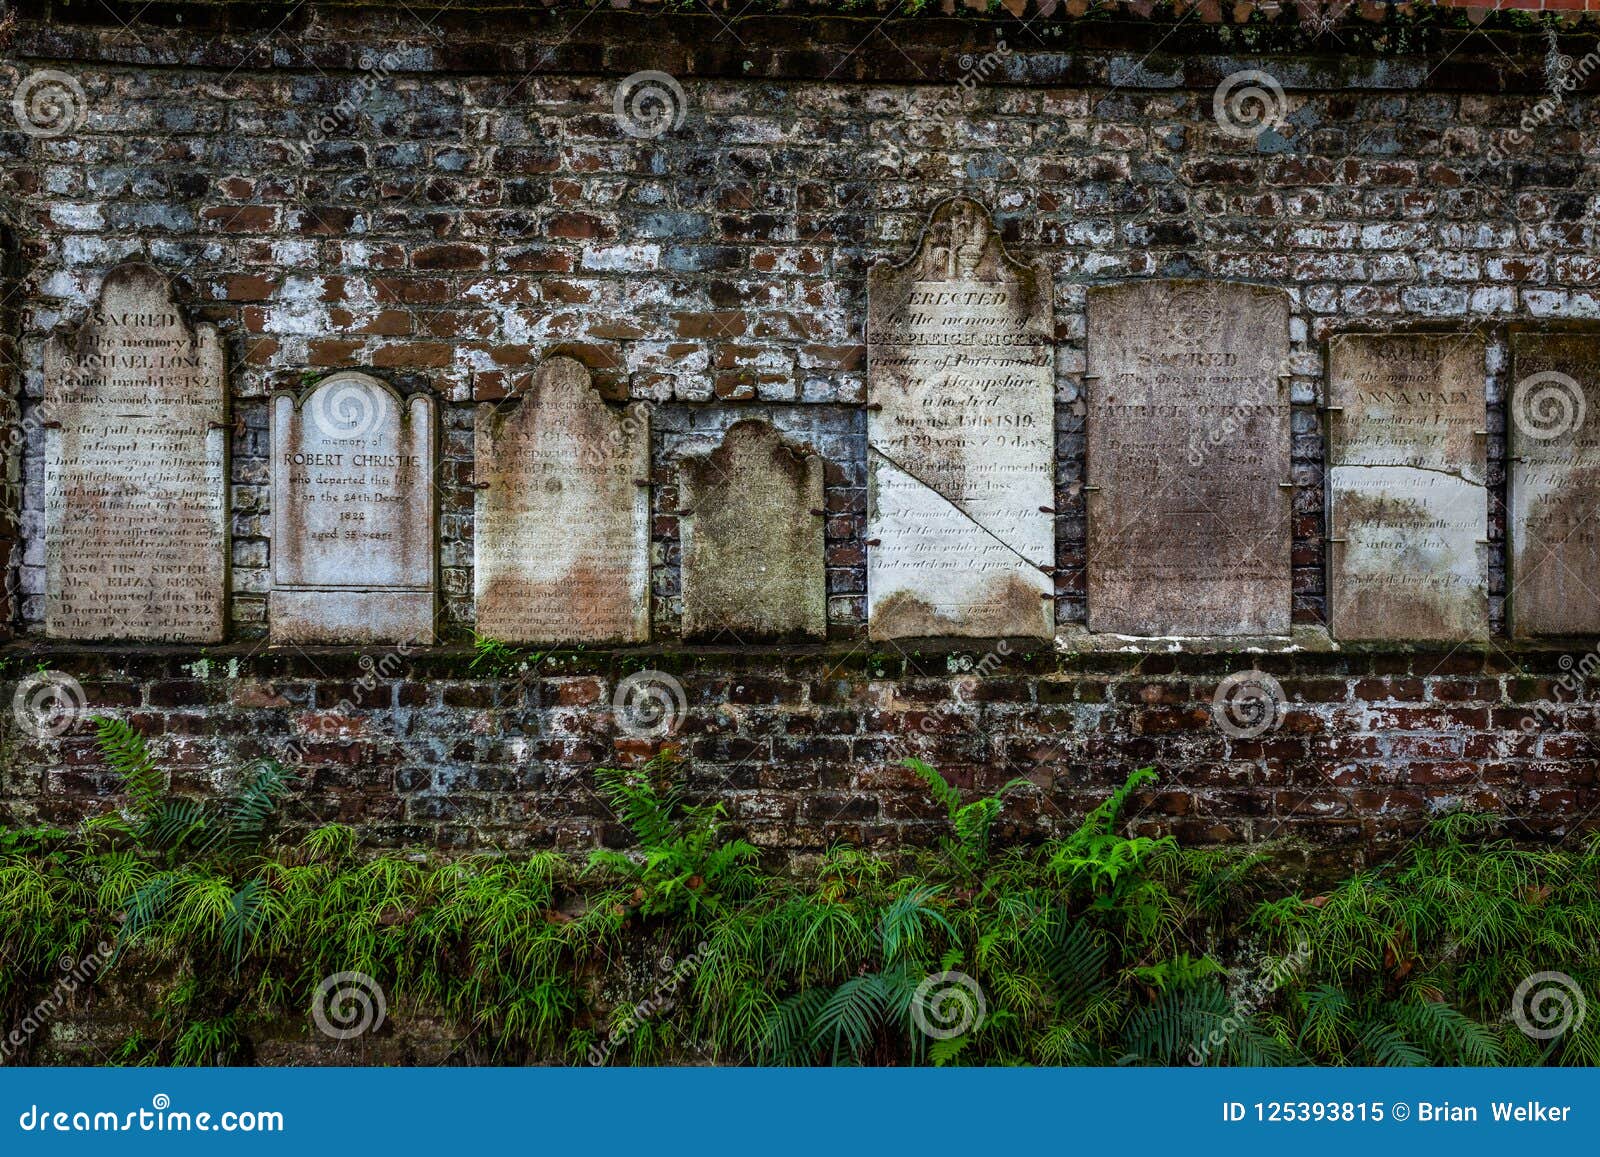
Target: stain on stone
(561, 542)
(752, 535)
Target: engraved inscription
(1408, 512)
(562, 538)
(1188, 459)
(960, 373)
(135, 471)
(352, 514)
(1553, 492)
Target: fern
(125, 750)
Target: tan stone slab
(961, 437)
(751, 528)
(136, 471)
(1553, 488)
(562, 523)
(1407, 508)
(353, 514)
(1188, 459)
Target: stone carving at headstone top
(1188, 493)
(1407, 506)
(353, 522)
(961, 437)
(1553, 489)
(562, 536)
(136, 471)
(751, 528)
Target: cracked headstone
(1189, 502)
(961, 437)
(751, 530)
(136, 471)
(1407, 506)
(352, 514)
(562, 537)
(1553, 488)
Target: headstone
(1408, 510)
(352, 514)
(752, 544)
(961, 437)
(562, 534)
(1190, 505)
(136, 471)
(1553, 492)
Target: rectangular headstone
(136, 471)
(352, 514)
(751, 530)
(1190, 506)
(1408, 513)
(1553, 490)
(961, 438)
(562, 524)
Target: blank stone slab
(1553, 492)
(1408, 511)
(751, 532)
(1189, 508)
(136, 471)
(961, 438)
(562, 535)
(352, 514)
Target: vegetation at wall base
(1099, 948)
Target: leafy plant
(1102, 947)
(682, 864)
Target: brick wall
(805, 749)
(446, 198)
